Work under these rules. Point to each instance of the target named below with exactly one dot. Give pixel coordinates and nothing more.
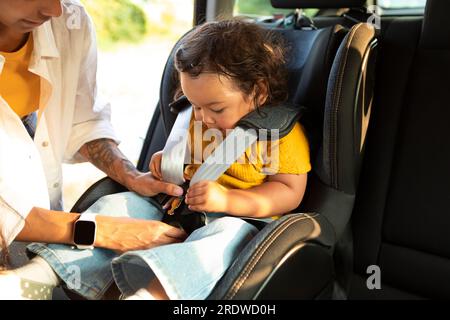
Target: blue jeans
(187, 270)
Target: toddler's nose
(208, 121)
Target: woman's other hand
(155, 165)
(126, 234)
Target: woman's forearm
(115, 233)
(48, 226)
(106, 156)
(42, 225)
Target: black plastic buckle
(184, 218)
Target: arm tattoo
(105, 155)
(128, 167)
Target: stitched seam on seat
(260, 252)
(338, 96)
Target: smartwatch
(84, 231)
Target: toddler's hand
(207, 196)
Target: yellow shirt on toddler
(252, 169)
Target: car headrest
(310, 56)
(436, 29)
(320, 4)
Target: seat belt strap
(176, 152)
(225, 154)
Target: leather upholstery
(400, 221)
(263, 256)
(350, 91)
(436, 29)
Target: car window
(399, 4)
(258, 8)
(401, 7)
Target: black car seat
(332, 76)
(293, 258)
(401, 220)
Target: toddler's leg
(187, 270)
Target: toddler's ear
(262, 91)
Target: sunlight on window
(396, 4)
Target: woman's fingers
(163, 239)
(155, 165)
(156, 170)
(175, 233)
(153, 169)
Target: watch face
(84, 233)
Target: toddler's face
(216, 100)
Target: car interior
(375, 114)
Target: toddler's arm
(280, 194)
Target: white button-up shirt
(65, 57)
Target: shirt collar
(44, 41)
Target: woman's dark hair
(240, 50)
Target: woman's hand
(150, 183)
(207, 196)
(155, 165)
(126, 234)
(147, 185)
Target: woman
(49, 113)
